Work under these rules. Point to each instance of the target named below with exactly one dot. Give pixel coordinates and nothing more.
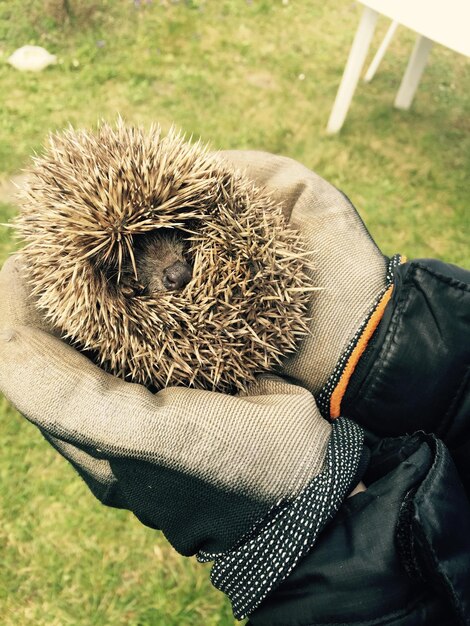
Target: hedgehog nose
(177, 276)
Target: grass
(241, 74)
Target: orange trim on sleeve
(340, 389)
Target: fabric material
(273, 548)
(387, 558)
(329, 406)
(416, 373)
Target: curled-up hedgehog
(161, 262)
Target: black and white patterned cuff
(269, 552)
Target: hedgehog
(159, 260)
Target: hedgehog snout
(161, 263)
(177, 275)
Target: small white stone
(301, 76)
(31, 59)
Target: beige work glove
(247, 481)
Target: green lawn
(231, 72)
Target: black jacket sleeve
(415, 373)
(397, 554)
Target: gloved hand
(246, 481)
(390, 342)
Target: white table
(446, 22)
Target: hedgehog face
(161, 263)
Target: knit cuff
(267, 554)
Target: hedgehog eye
(127, 291)
(133, 289)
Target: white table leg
(380, 52)
(353, 68)
(413, 72)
